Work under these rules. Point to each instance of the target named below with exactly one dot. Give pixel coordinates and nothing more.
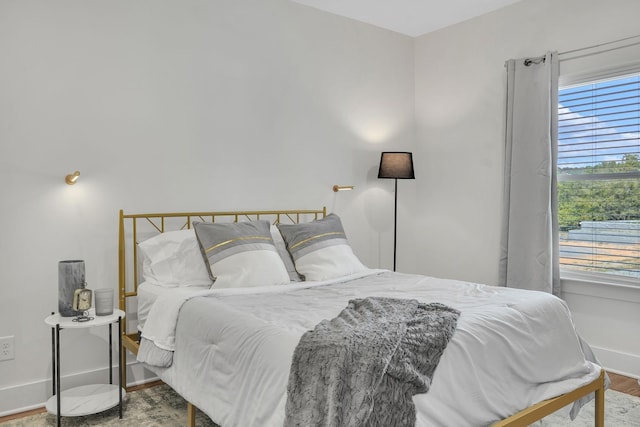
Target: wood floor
(624, 384)
(618, 382)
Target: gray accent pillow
(240, 254)
(320, 249)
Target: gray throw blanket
(363, 367)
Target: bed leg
(191, 415)
(599, 408)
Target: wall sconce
(72, 178)
(337, 188)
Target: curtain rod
(637, 42)
(537, 60)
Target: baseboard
(25, 397)
(618, 362)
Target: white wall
(460, 92)
(172, 106)
(196, 105)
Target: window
(599, 176)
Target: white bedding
(146, 297)
(148, 293)
(511, 349)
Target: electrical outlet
(6, 348)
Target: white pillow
(320, 249)
(329, 263)
(241, 254)
(281, 247)
(173, 259)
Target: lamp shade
(396, 164)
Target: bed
(228, 350)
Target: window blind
(599, 176)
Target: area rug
(620, 410)
(149, 407)
(161, 406)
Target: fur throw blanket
(363, 367)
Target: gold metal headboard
(130, 233)
(134, 228)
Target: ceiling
(410, 17)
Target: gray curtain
(529, 245)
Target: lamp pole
(395, 223)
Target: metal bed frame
(132, 227)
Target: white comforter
(511, 349)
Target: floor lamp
(396, 165)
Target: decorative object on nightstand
(396, 165)
(87, 399)
(82, 303)
(104, 301)
(70, 278)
